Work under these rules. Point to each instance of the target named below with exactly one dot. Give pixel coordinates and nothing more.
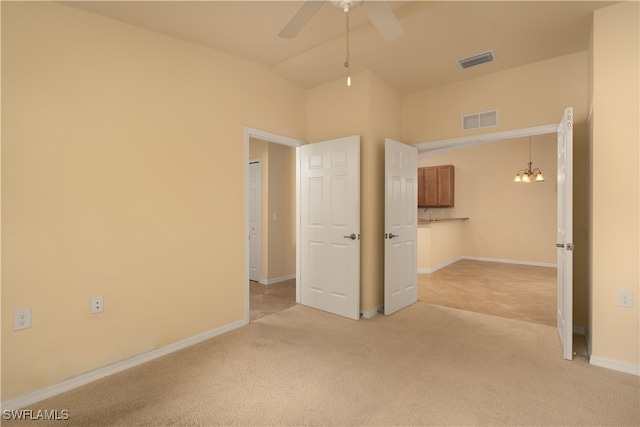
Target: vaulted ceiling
(436, 35)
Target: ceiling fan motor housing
(346, 5)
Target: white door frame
(444, 145)
(249, 133)
(451, 144)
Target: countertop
(422, 221)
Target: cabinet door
(431, 186)
(422, 199)
(446, 186)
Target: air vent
(478, 59)
(480, 120)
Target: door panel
(401, 222)
(565, 233)
(330, 215)
(254, 220)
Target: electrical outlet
(21, 319)
(625, 299)
(97, 304)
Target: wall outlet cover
(21, 319)
(625, 299)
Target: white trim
(627, 368)
(512, 261)
(104, 371)
(370, 314)
(475, 258)
(277, 279)
(249, 133)
(580, 330)
(439, 266)
(444, 145)
(298, 222)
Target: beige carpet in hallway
(424, 365)
(515, 291)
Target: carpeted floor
(425, 365)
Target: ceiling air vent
(478, 59)
(480, 120)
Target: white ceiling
(436, 34)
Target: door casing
(254, 133)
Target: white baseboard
(627, 368)
(580, 330)
(511, 261)
(475, 258)
(87, 377)
(439, 266)
(370, 314)
(277, 279)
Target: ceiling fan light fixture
(346, 5)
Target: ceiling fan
(377, 11)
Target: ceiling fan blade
(300, 19)
(383, 19)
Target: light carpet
(425, 365)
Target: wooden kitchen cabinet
(436, 186)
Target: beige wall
(369, 108)
(531, 95)
(615, 331)
(122, 176)
(502, 213)
(440, 243)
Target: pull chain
(346, 62)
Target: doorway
(563, 223)
(500, 259)
(270, 219)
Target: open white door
(254, 219)
(565, 232)
(330, 226)
(401, 226)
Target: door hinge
(569, 246)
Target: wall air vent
(480, 120)
(478, 59)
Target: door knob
(391, 235)
(559, 245)
(351, 236)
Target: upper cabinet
(436, 187)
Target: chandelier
(527, 174)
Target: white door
(565, 232)
(401, 226)
(254, 219)
(330, 226)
